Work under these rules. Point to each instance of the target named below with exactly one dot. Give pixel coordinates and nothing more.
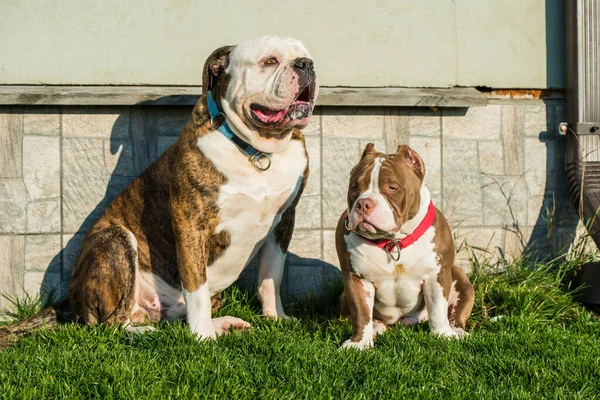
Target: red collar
(389, 244)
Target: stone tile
(551, 210)
(562, 238)
(118, 157)
(462, 187)
(43, 216)
(144, 137)
(540, 209)
(339, 157)
(380, 145)
(41, 121)
(425, 122)
(94, 122)
(164, 142)
(11, 127)
(396, 126)
(504, 201)
(537, 119)
(437, 201)
(172, 121)
(84, 182)
(42, 253)
(308, 212)
(515, 242)
(71, 246)
(11, 267)
(491, 157)
(566, 213)
(329, 251)
(35, 282)
(430, 150)
(13, 206)
(512, 139)
(472, 123)
(116, 185)
(539, 166)
(482, 243)
(314, 126)
(313, 147)
(305, 247)
(304, 280)
(355, 122)
(539, 244)
(560, 115)
(41, 166)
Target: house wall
(495, 171)
(374, 43)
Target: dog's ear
(412, 159)
(215, 66)
(369, 150)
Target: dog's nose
(303, 64)
(366, 206)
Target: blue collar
(257, 157)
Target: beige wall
(434, 43)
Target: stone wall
(496, 172)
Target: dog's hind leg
(461, 299)
(103, 284)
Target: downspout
(582, 128)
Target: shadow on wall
(139, 136)
(555, 227)
(556, 222)
(555, 44)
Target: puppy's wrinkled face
(271, 88)
(384, 192)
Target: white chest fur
(398, 284)
(251, 203)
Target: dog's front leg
(271, 261)
(437, 308)
(360, 297)
(192, 270)
(192, 259)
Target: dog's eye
(392, 188)
(354, 187)
(271, 61)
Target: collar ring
(390, 247)
(212, 118)
(346, 222)
(258, 160)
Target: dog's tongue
(269, 116)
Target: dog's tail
(47, 318)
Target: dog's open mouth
(300, 109)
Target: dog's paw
(361, 345)
(378, 328)
(276, 315)
(225, 325)
(204, 331)
(450, 332)
(461, 332)
(139, 330)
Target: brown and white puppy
(189, 224)
(396, 252)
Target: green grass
(545, 345)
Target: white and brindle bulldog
(396, 252)
(225, 191)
